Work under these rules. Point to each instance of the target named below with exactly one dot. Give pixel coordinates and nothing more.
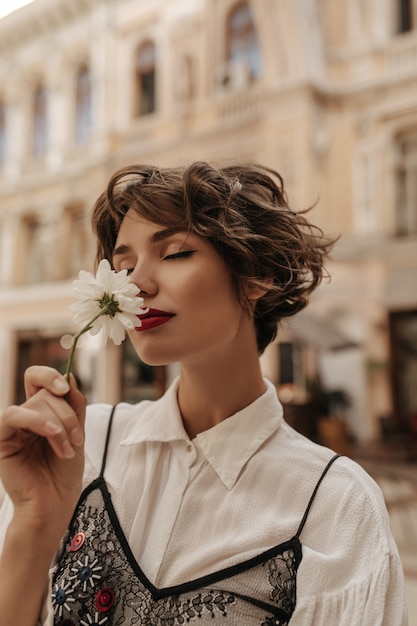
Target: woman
(204, 506)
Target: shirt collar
(158, 421)
(227, 446)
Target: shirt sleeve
(6, 513)
(351, 572)
(46, 617)
(377, 600)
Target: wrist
(25, 561)
(37, 530)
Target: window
(405, 15)
(39, 121)
(83, 105)
(145, 79)
(286, 354)
(35, 244)
(405, 222)
(403, 332)
(242, 49)
(74, 242)
(3, 138)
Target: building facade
(324, 92)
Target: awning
(320, 332)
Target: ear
(254, 291)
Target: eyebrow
(159, 235)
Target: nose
(142, 277)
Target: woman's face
(194, 313)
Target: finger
(42, 377)
(44, 383)
(60, 412)
(23, 419)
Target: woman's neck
(212, 392)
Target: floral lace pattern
(98, 582)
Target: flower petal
(111, 296)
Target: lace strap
(313, 495)
(106, 445)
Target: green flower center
(109, 305)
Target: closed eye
(179, 255)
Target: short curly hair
(242, 210)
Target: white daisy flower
(108, 302)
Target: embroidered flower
(94, 621)
(86, 573)
(61, 597)
(108, 302)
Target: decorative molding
(40, 19)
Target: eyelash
(179, 255)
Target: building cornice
(371, 246)
(40, 18)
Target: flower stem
(76, 337)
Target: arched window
(83, 104)
(3, 137)
(145, 79)
(39, 112)
(242, 46)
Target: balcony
(401, 57)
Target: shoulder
(348, 502)
(356, 499)
(313, 459)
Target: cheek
(213, 300)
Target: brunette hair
(243, 211)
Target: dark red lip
(153, 318)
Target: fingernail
(52, 428)
(61, 385)
(68, 450)
(76, 436)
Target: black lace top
(98, 580)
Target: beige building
(323, 91)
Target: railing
(238, 107)
(401, 56)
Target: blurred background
(324, 92)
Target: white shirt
(189, 508)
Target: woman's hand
(41, 467)
(41, 450)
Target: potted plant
(329, 406)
